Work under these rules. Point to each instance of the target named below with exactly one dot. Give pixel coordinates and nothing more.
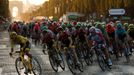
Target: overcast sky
(34, 2)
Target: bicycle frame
(25, 60)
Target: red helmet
(74, 23)
(110, 28)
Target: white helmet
(92, 29)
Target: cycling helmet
(131, 26)
(96, 24)
(125, 24)
(13, 35)
(110, 28)
(92, 29)
(63, 25)
(60, 28)
(44, 28)
(103, 23)
(69, 25)
(78, 24)
(119, 26)
(74, 23)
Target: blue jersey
(120, 33)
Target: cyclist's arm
(58, 42)
(116, 37)
(12, 45)
(89, 41)
(59, 45)
(71, 42)
(86, 38)
(23, 41)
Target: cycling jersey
(36, 27)
(31, 26)
(22, 41)
(64, 38)
(98, 37)
(121, 34)
(81, 34)
(47, 37)
(15, 27)
(131, 32)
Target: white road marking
(33, 45)
(5, 38)
(0, 71)
(3, 46)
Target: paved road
(7, 66)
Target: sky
(30, 3)
(34, 2)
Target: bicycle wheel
(19, 66)
(81, 65)
(84, 54)
(81, 60)
(126, 53)
(101, 62)
(87, 57)
(62, 63)
(54, 65)
(90, 57)
(36, 66)
(116, 51)
(70, 63)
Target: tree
(4, 8)
(83, 6)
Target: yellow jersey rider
(24, 46)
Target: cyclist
(15, 27)
(110, 29)
(25, 30)
(121, 36)
(47, 38)
(101, 26)
(131, 31)
(30, 26)
(65, 41)
(81, 34)
(36, 28)
(36, 33)
(71, 32)
(24, 47)
(97, 37)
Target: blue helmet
(119, 26)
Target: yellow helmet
(13, 34)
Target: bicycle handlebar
(11, 54)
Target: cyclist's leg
(30, 66)
(50, 46)
(26, 51)
(44, 48)
(105, 50)
(22, 52)
(75, 54)
(120, 46)
(126, 47)
(115, 48)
